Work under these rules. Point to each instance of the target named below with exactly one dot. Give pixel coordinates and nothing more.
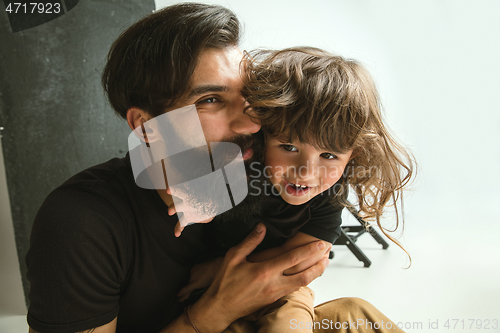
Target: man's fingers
(242, 250)
(298, 255)
(177, 192)
(327, 252)
(312, 260)
(178, 229)
(171, 210)
(185, 292)
(307, 276)
(207, 220)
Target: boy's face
(299, 171)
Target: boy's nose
(306, 170)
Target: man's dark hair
(150, 64)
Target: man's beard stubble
(232, 226)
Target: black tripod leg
(372, 231)
(378, 238)
(359, 254)
(356, 250)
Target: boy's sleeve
(326, 219)
(76, 262)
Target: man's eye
(329, 156)
(289, 147)
(209, 100)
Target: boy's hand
(202, 276)
(188, 212)
(178, 227)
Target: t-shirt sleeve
(75, 263)
(325, 221)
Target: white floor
(452, 285)
(454, 278)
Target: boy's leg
(352, 315)
(285, 315)
(343, 315)
(288, 314)
(240, 326)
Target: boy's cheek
(335, 173)
(274, 171)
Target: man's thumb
(251, 241)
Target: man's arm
(298, 240)
(108, 328)
(241, 287)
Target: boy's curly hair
(331, 103)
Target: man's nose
(242, 121)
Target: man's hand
(241, 287)
(297, 240)
(202, 276)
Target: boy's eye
(329, 156)
(289, 147)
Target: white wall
(436, 64)
(437, 67)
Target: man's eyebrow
(205, 89)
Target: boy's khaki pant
(296, 313)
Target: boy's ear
(136, 117)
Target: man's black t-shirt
(102, 247)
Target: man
(103, 255)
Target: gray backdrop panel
(52, 107)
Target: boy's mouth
(295, 189)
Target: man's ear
(136, 117)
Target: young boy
(322, 131)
